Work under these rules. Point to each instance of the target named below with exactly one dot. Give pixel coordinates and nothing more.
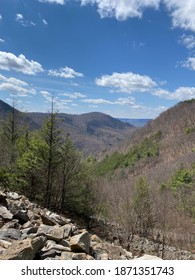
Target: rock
(102, 256)
(15, 206)
(13, 195)
(5, 244)
(148, 257)
(95, 238)
(79, 256)
(22, 216)
(80, 243)
(64, 243)
(47, 221)
(60, 220)
(3, 201)
(12, 224)
(24, 249)
(114, 252)
(5, 213)
(48, 254)
(128, 255)
(54, 233)
(58, 247)
(66, 255)
(1, 222)
(27, 225)
(52, 219)
(10, 234)
(67, 230)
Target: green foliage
(182, 184)
(188, 101)
(141, 205)
(148, 147)
(181, 177)
(189, 130)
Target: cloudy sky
(126, 58)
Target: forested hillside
(147, 187)
(149, 184)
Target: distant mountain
(136, 122)
(92, 132)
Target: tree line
(44, 165)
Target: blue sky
(126, 58)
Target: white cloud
(19, 18)
(182, 12)
(188, 41)
(180, 94)
(97, 101)
(122, 9)
(13, 81)
(189, 63)
(127, 82)
(61, 2)
(16, 86)
(119, 101)
(65, 72)
(2, 41)
(1, 17)
(10, 62)
(45, 22)
(59, 104)
(74, 95)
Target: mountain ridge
(92, 132)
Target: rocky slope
(29, 232)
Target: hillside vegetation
(147, 186)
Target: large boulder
(80, 243)
(10, 234)
(5, 213)
(24, 249)
(55, 233)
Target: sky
(125, 58)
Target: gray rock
(103, 256)
(59, 219)
(10, 234)
(79, 256)
(80, 243)
(47, 221)
(23, 249)
(58, 247)
(48, 254)
(67, 230)
(66, 255)
(64, 243)
(5, 213)
(13, 195)
(12, 224)
(15, 206)
(54, 233)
